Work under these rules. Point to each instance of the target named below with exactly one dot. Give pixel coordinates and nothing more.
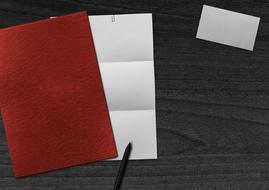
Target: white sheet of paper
(228, 27)
(124, 47)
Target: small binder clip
(113, 19)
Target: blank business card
(228, 27)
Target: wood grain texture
(212, 102)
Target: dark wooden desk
(212, 102)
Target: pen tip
(129, 145)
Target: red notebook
(51, 96)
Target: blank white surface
(129, 85)
(129, 38)
(137, 127)
(125, 54)
(228, 27)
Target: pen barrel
(122, 167)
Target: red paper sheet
(51, 96)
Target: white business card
(228, 27)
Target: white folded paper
(124, 47)
(228, 27)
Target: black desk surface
(212, 102)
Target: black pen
(122, 168)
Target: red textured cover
(51, 96)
